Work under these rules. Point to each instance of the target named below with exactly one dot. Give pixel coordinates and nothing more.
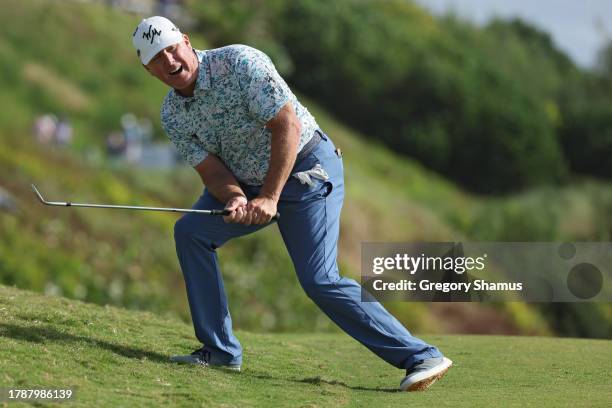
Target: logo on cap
(150, 35)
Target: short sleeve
(265, 90)
(188, 146)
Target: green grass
(114, 357)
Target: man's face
(176, 66)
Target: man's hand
(238, 206)
(260, 210)
(257, 211)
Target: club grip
(228, 212)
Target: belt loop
(323, 135)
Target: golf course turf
(115, 357)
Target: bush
(432, 89)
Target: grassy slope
(120, 358)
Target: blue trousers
(309, 225)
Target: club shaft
(133, 207)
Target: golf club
(132, 207)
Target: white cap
(152, 35)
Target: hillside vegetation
(113, 357)
(78, 61)
(495, 108)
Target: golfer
(258, 151)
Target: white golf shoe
(424, 374)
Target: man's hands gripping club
(224, 187)
(257, 211)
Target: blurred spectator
(45, 127)
(7, 202)
(48, 129)
(63, 132)
(133, 137)
(134, 145)
(146, 130)
(115, 144)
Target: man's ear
(186, 39)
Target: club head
(40, 197)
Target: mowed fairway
(116, 357)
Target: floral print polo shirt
(238, 90)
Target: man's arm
(285, 127)
(223, 186)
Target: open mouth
(177, 71)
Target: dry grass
(56, 86)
